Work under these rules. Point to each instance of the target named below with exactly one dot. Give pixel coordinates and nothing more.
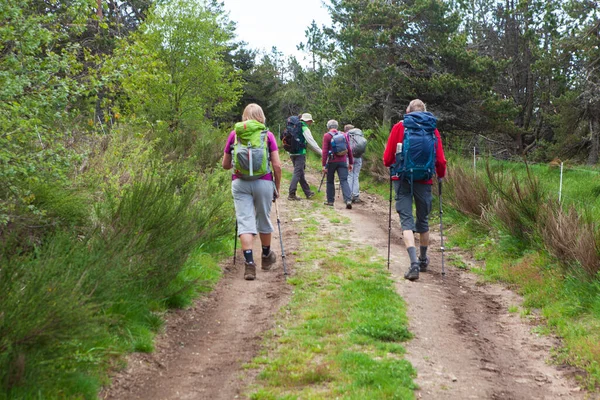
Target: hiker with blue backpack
(251, 151)
(296, 138)
(415, 155)
(337, 156)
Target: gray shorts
(253, 200)
(421, 192)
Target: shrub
(79, 299)
(518, 203)
(467, 193)
(573, 239)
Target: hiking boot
(356, 200)
(413, 272)
(329, 203)
(268, 261)
(349, 205)
(250, 271)
(293, 197)
(310, 195)
(423, 264)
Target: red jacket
(327, 146)
(397, 136)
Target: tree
(174, 67)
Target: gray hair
(416, 105)
(332, 124)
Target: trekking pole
(441, 225)
(280, 239)
(322, 179)
(390, 222)
(235, 239)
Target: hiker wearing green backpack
(415, 155)
(251, 151)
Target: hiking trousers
(342, 172)
(353, 177)
(253, 200)
(298, 176)
(421, 193)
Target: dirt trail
(203, 349)
(466, 345)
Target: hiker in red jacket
(419, 190)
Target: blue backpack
(339, 145)
(416, 160)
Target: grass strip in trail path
(340, 335)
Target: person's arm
(227, 162)
(440, 158)
(310, 141)
(396, 136)
(326, 149)
(276, 165)
(275, 161)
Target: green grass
(340, 336)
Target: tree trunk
(387, 110)
(595, 138)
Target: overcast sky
(281, 23)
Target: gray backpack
(358, 143)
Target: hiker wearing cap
(337, 156)
(252, 152)
(416, 119)
(299, 160)
(358, 144)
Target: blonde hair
(347, 127)
(254, 111)
(416, 105)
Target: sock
(423, 252)
(266, 250)
(412, 253)
(248, 256)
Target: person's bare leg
(265, 239)
(247, 240)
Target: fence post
(560, 186)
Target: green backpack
(251, 159)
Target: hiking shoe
(357, 200)
(268, 261)
(328, 203)
(310, 195)
(349, 205)
(250, 271)
(413, 272)
(293, 197)
(423, 264)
